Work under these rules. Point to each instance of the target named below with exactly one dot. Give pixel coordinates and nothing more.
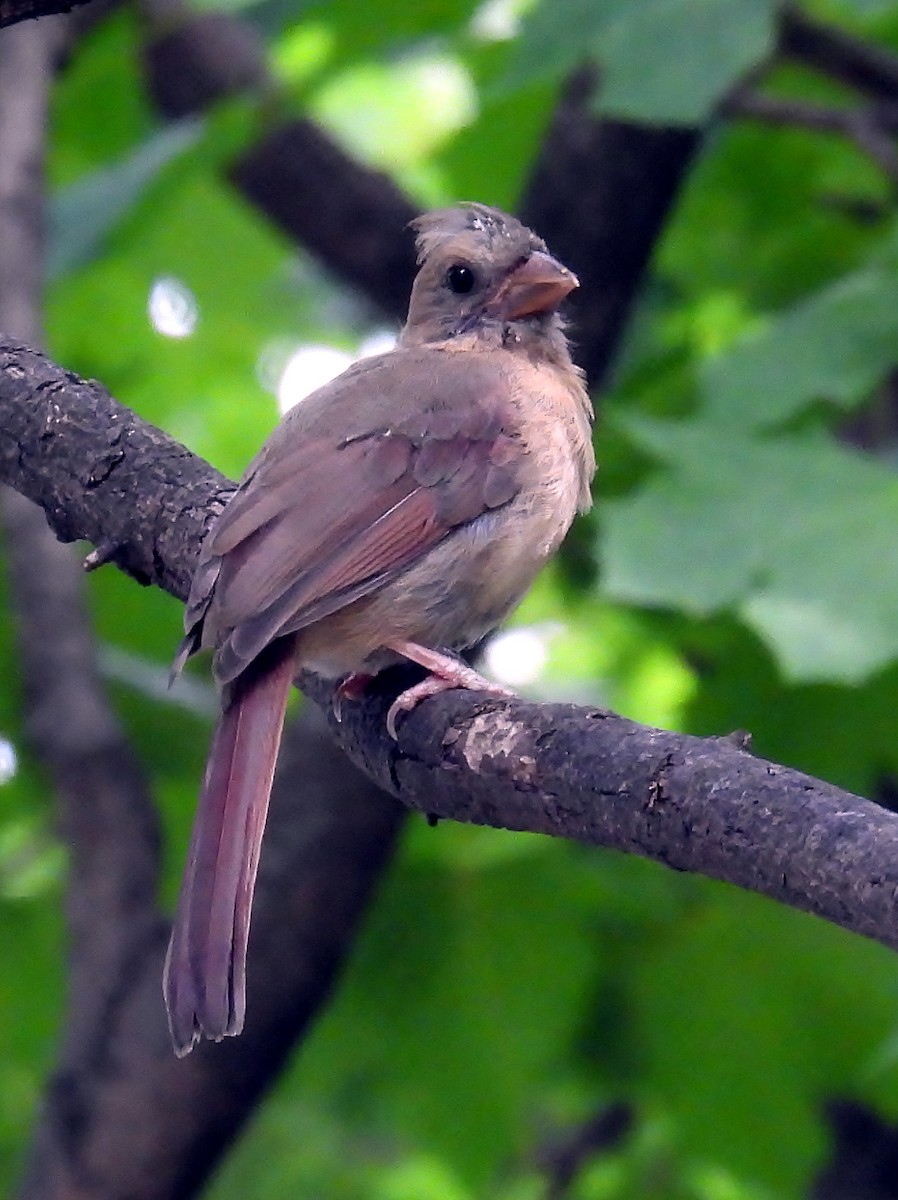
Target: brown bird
(400, 511)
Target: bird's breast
(465, 585)
(450, 598)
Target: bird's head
(483, 272)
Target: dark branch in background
(703, 805)
(102, 804)
(111, 900)
(600, 193)
(125, 1117)
(856, 64)
(872, 129)
(859, 64)
(353, 218)
(864, 1162)
(563, 1156)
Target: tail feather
(205, 969)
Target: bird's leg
(445, 673)
(352, 688)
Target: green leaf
(797, 535)
(83, 214)
(773, 214)
(665, 61)
(867, 8)
(554, 38)
(670, 61)
(100, 107)
(835, 345)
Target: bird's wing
(349, 493)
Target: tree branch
(600, 193)
(351, 217)
(564, 1154)
(865, 66)
(101, 473)
(703, 805)
(871, 128)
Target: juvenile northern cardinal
(401, 510)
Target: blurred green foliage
(507, 987)
(664, 60)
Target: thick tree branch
(696, 804)
(853, 61)
(600, 194)
(703, 805)
(101, 473)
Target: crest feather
(435, 229)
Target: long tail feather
(205, 968)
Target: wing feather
(322, 519)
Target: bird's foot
(446, 673)
(352, 688)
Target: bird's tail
(205, 968)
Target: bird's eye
(460, 279)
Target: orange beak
(538, 285)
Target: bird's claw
(352, 688)
(455, 675)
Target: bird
(399, 512)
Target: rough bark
(101, 473)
